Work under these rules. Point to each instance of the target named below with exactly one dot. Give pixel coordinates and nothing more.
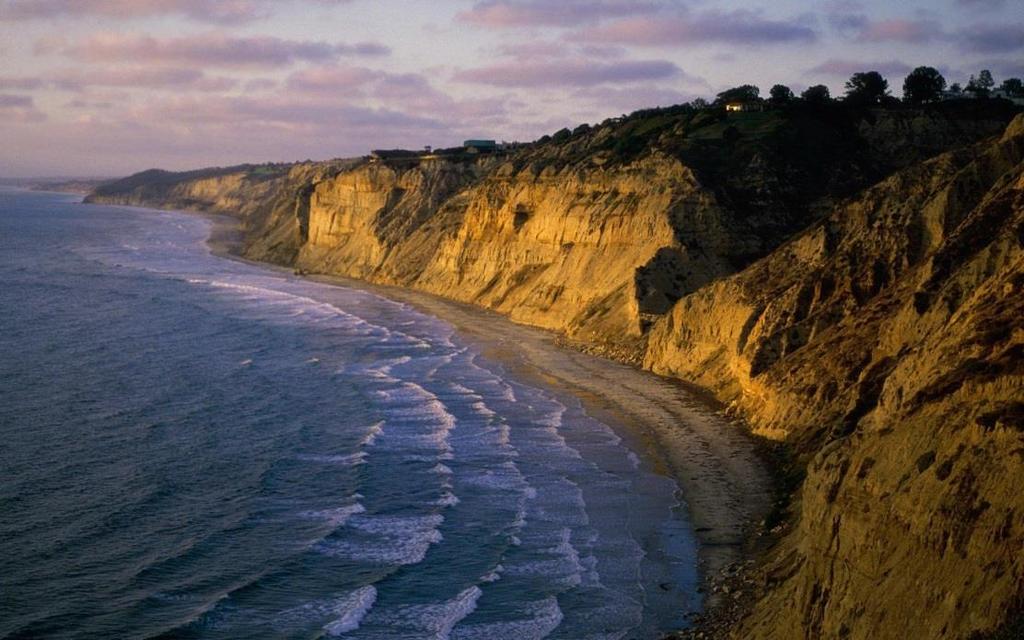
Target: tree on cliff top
(982, 85)
(866, 87)
(780, 94)
(1013, 87)
(742, 93)
(924, 84)
(818, 94)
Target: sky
(110, 87)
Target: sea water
(195, 447)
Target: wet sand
(722, 478)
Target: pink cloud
(846, 68)
(332, 79)
(533, 49)
(228, 11)
(9, 101)
(260, 84)
(215, 49)
(19, 109)
(23, 83)
(578, 73)
(611, 101)
(983, 4)
(412, 92)
(211, 11)
(993, 38)
(415, 93)
(740, 27)
(142, 77)
(502, 14)
(78, 103)
(901, 30)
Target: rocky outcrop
(849, 281)
(886, 344)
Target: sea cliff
(847, 280)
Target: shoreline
(726, 486)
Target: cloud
(80, 104)
(8, 100)
(332, 79)
(415, 93)
(19, 108)
(983, 4)
(226, 12)
(533, 49)
(23, 83)
(611, 101)
(846, 68)
(739, 27)
(845, 15)
(178, 78)
(124, 76)
(280, 111)
(990, 38)
(503, 14)
(576, 73)
(210, 11)
(259, 84)
(215, 49)
(901, 30)
(1003, 68)
(411, 91)
(603, 51)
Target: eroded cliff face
(886, 344)
(575, 249)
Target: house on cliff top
(478, 146)
(744, 105)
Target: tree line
(922, 85)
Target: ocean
(197, 447)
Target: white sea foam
(294, 305)
(348, 459)
(434, 621)
(371, 435)
(387, 365)
(391, 540)
(351, 610)
(398, 526)
(417, 420)
(337, 516)
(482, 409)
(443, 455)
(633, 459)
(535, 621)
(561, 563)
(447, 499)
